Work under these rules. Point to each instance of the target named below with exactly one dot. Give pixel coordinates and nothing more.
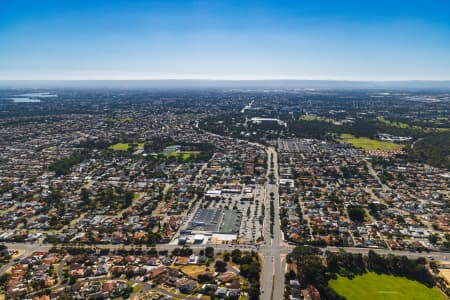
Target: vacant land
(126, 146)
(194, 270)
(369, 144)
(183, 154)
(385, 287)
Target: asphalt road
(283, 249)
(272, 281)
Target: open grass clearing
(395, 124)
(384, 287)
(369, 144)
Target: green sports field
(125, 146)
(183, 154)
(368, 144)
(384, 287)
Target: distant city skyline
(225, 40)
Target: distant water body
(30, 97)
(24, 100)
(38, 95)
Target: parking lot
(249, 204)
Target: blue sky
(350, 40)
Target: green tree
(356, 214)
(220, 266)
(209, 252)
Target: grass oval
(385, 287)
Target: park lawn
(183, 154)
(384, 287)
(369, 144)
(124, 146)
(193, 270)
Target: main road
(28, 248)
(273, 251)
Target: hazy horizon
(229, 84)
